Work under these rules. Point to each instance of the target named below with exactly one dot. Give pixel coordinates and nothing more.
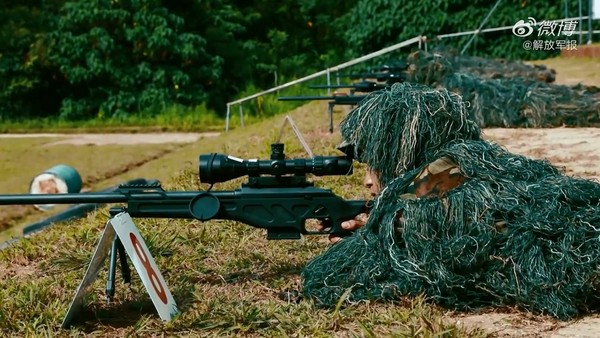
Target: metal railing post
(227, 117)
(328, 81)
(480, 27)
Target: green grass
(225, 276)
(174, 118)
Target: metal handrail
(416, 39)
(421, 40)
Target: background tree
(82, 59)
(25, 73)
(374, 24)
(124, 56)
(222, 25)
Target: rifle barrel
(22, 199)
(380, 76)
(339, 99)
(101, 198)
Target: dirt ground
(575, 149)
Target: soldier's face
(371, 182)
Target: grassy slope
(225, 276)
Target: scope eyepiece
(215, 168)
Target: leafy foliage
(401, 20)
(113, 58)
(24, 72)
(130, 55)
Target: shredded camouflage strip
(497, 68)
(518, 232)
(423, 118)
(516, 99)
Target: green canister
(59, 179)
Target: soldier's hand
(351, 225)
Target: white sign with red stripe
(122, 226)
(145, 265)
(96, 263)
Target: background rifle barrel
(305, 98)
(382, 74)
(331, 86)
(379, 76)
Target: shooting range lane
(28, 216)
(527, 142)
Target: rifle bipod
(116, 248)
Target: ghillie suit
(515, 232)
(483, 68)
(507, 102)
(498, 68)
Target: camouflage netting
(507, 102)
(518, 232)
(497, 68)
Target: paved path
(118, 138)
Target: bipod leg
(330, 111)
(117, 248)
(112, 270)
(125, 271)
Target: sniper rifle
(277, 197)
(389, 78)
(361, 87)
(393, 67)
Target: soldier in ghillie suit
(459, 219)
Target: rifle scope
(215, 168)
